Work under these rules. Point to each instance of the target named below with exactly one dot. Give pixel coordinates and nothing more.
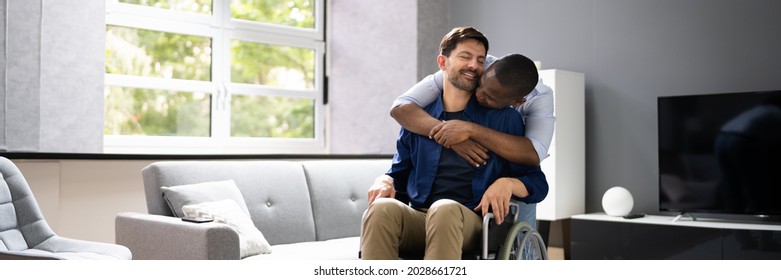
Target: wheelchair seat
(511, 240)
(514, 239)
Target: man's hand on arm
(474, 153)
(414, 118)
(452, 132)
(497, 197)
(382, 187)
(455, 134)
(516, 149)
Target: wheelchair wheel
(523, 243)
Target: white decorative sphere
(617, 201)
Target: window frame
(222, 29)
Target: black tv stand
(598, 236)
(684, 214)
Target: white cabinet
(565, 167)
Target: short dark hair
(458, 34)
(517, 73)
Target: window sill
(93, 156)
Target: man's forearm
(414, 119)
(517, 149)
(516, 186)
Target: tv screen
(720, 153)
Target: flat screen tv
(720, 154)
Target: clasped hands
(455, 134)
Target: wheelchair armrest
(492, 230)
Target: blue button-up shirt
(417, 158)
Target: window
(214, 76)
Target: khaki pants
(441, 233)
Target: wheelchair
(511, 240)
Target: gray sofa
(308, 209)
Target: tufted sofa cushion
(339, 195)
(275, 192)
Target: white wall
(80, 198)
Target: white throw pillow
(251, 240)
(178, 196)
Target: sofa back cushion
(339, 193)
(275, 192)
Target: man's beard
(465, 85)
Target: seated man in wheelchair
(431, 200)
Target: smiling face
(492, 94)
(464, 65)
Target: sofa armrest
(156, 237)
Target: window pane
(272, 65)
(135, 111)
(194, 6)
(269, 116)
(295, 13)
(140, 52)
